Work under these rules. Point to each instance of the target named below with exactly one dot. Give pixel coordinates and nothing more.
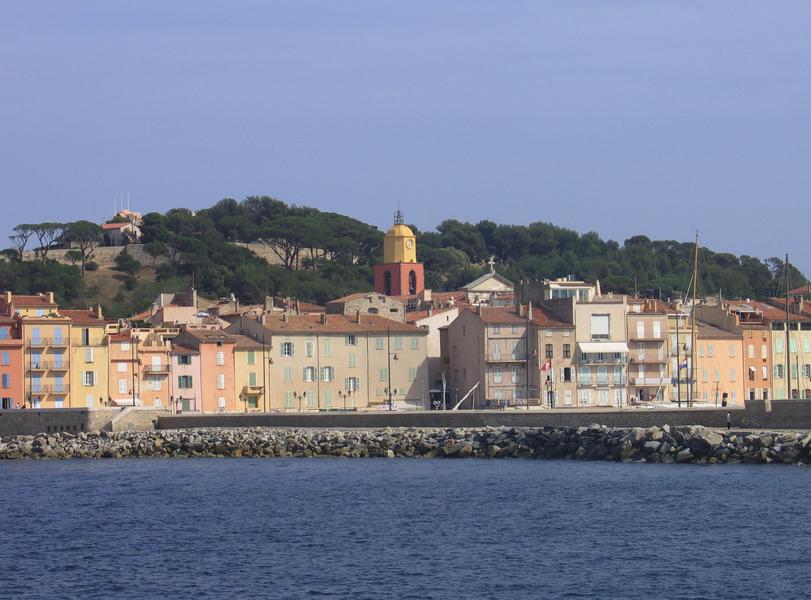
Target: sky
(622, 117)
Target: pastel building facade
(331, 361)
(216, 355)
(719, 371)
(12, 388)
(89, 359)
(186, 392)
(648, 353)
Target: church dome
(400, 230)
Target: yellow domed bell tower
(400, 274)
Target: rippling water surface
(377, 528)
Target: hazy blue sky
(623, 117)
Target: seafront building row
(555, 343)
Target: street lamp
(549, 393)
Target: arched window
(387, 283)
(412, 282)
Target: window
(184, 382)
(287, 374)
(732, 350)
(121, 367)
(710, 350)
(287, 348)
(793, 345)
(383, 375)
(779, 372)
(327, 373)
(515, 350)
(585, 375)
(657, 329)
(251, 357)
(806, 345)
(752, 375)
(309, 397)
(352, 384)
(751, 351)
(496, 329)
(415, 342)
(600, 327)
(326, 344)
(220, 358)
(85, 336)
(351, 340)
(716, 375)
(40, 312)
(640, 329)
(309, 374)
(585, 397)
(764, 351)
(807, 371)
(566, 373)
(58, 402)
(327, 398)
(496, 374)
(6, 360)
(567, 398)
(253, 402)
(155, 384)
(353, 360)
(617, 375)
(220, 381)
(516, 374)
(704, 376)
(733, 374)
(765, 373)
(252, 379)
(412, 374)
(288, 399)
(602, 375)
(380, 343)
(549, 351)
(308, 348)
(398, 343)
(497, 350)
(3, 333)
(5, 380)
(567, 350)
(778, 346)
(89, 378)
(602, 397)
(122, 386)
(88, 355)
(514, 329)
(184, 359)
(125, 346)
(221, 403)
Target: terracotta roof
(774, 313)
(114, 225)
(243, 342)
(178, 349)
(506, 315)
(707, 331)
(124, 337)
(210, 336)
(357, 296)
(37, 300)
(416, 315)
(338, 324)
(84, 317)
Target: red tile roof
(84, 317)
(338, 324)
(506, 315)
(416, 315)
(114, 225)
(37, 300)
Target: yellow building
(89, 358)
(250, 378)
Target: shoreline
(683, 444)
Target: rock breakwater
(696, 445)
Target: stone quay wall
(697, 445)
(33, 421)
(479, 418)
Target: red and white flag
(547, 365)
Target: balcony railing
(506, 357)
(50, 388)
(608, 380)
(156, 369)
(607, 359)
(648, 358)
(59, 342)
(651, 381)
(49, 365)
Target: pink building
(186, 394)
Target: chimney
(286, 317)
(298, 307)
(430, 311)
(99, 314)
(8, 297)
(529, 310)
(426, 295)
(323, 318)
(50, 297)
(357, 316)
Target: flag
(547, 365)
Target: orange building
(152, 368)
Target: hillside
(318, 256)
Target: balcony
(49, 365)
(648, 359)
(41, 342)
(506, 357)
(50, 388)
(156, 369)
(608, 380)
(651, 381)
(252, 390)
(602, 359)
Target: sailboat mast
(788, 334)
(692, 380)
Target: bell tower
(400, 274)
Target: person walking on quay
(729, 420)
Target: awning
(604, 347)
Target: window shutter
(95, 378)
